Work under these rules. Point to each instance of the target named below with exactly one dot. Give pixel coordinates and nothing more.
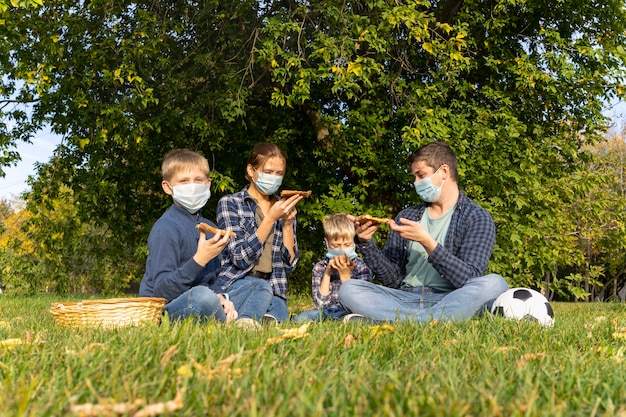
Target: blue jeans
(251, 296)
(421, 304)
(332, 313)
(200, 302)
(278, 309)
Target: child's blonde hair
(183, 160)
(338, 226)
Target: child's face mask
(351, 252)
(191, 196)
(268, 184)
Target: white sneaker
(269, 319)
(248, 323)
(354, 317)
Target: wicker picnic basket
(108, 313)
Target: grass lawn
(483, 367)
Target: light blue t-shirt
(419, 272)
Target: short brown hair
(337, 226)
(182, 159)
(436, 154)
(261, 153)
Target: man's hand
(364, 231)
(209, 248)
(412, 230)
(229, 309)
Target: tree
(600, 216)
(349, 89)
(47, 246)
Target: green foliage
(493, 367)
(45, 246)
(348, 90)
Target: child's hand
(285, 208)
(343, 265)
(209, 248)
(229, 309)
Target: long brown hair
(261, 153)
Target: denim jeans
(200, 302)
(278, 309)
(251, 296)
(421, 304)
(333, 313)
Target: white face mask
(268, 184)
(191, 196)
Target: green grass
(482, 367)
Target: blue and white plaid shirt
(464, 255)
(237, 212)
(330, 300)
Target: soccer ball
(524, 304)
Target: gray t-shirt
(419, 272)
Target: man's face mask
(427, 190)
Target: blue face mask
(351, 252)
(268, 184)
(427, 190)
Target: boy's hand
(364, 231)
(229, 309)
(343, 265)
(209, 248)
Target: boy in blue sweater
(183, 261)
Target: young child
(183, 261)
(340, 264)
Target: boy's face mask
(351, 252)
(191, 196)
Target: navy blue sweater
(170, 268)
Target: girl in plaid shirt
(265, 246)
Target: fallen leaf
(293, 333)
(11, 343)
(165, 359)
(524, 359)
(505, 348)
(160, 408)
(384, 328)
(348, 340)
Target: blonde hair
(338, 226)
(183, 160)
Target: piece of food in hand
(291, 193)
(210, 229)
(364, 218)
(343, 258)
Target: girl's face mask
(268, 184)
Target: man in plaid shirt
(433, 265)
